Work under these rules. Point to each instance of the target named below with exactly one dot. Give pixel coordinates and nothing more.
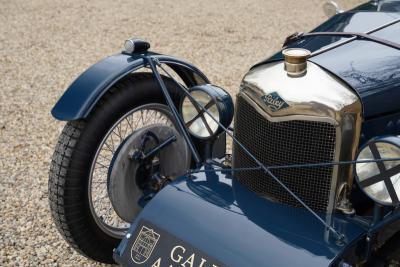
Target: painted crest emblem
(274, 101)
(144, 245)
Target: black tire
(73, 156)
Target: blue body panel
(383, 125)
(226, 221)
(371, 69)
(81, 96)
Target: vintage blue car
(141, 174)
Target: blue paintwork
(233, 225)
(380, 126)
(383, 6)
(371, 69)
(352, 21)
(81, 96)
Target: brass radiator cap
(296, 61)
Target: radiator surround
(316, 97)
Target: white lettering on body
(177, 255)
(157, 263)
(177, 260)
(189, 261)
(202, 262)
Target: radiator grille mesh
(282, 143)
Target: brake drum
(123, 189)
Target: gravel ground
(45, 44)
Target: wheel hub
(133, 178)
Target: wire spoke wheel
(99, 200)
(98, 180)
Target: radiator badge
(274, 101)
(144, 245)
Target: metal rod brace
(153, 62)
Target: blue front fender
(83, 94)
(220, 221)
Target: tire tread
(66, 173)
